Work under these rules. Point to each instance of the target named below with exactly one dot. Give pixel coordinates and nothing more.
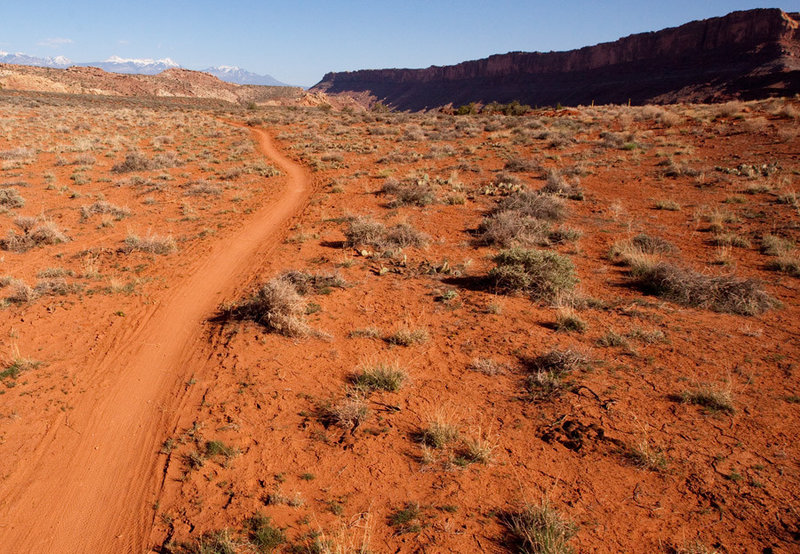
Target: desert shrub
(785, 264)
(134, 161)
(137, 161)
(724, 293)
(646, 456)
(532, 204)
(557, 185)
(417, 192)
(103, 207)
(276, 305)
(539, 529)
(510, 228)
(539, 273)
(20, 292)
(10, 198)
(520, 165)
(36, 232)
(151, 244)
(366, 232)
(487, 366)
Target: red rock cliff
(745, 54)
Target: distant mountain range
(115, 64)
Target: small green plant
(406, 519)
(263, 535)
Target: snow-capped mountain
(145, 66)
(19, 58)
(233, 74)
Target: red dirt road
(94, 476)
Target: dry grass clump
(348, 413)
(567, 320)
(405, 336)
(103, 207)
(10, 198)
(723, 293)
(539, 529)
(316, 283)
(783, 250)
(276, 305)
(547, 373)
(542, 274)
(439, 432)
(36, 232)
(487, 366)
(379, 376)
(711, 397)
(151, 244)
(416, 192)
(363, 231)
(646, 456)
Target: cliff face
(746, 54)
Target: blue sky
(298, 41)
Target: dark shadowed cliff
(747, 54)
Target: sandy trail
(94, 476)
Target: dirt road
(93, 479)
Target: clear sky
(298, 41)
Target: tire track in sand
(94, 477)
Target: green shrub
(540, 273)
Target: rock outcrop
(747, 54)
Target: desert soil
(134, 417)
